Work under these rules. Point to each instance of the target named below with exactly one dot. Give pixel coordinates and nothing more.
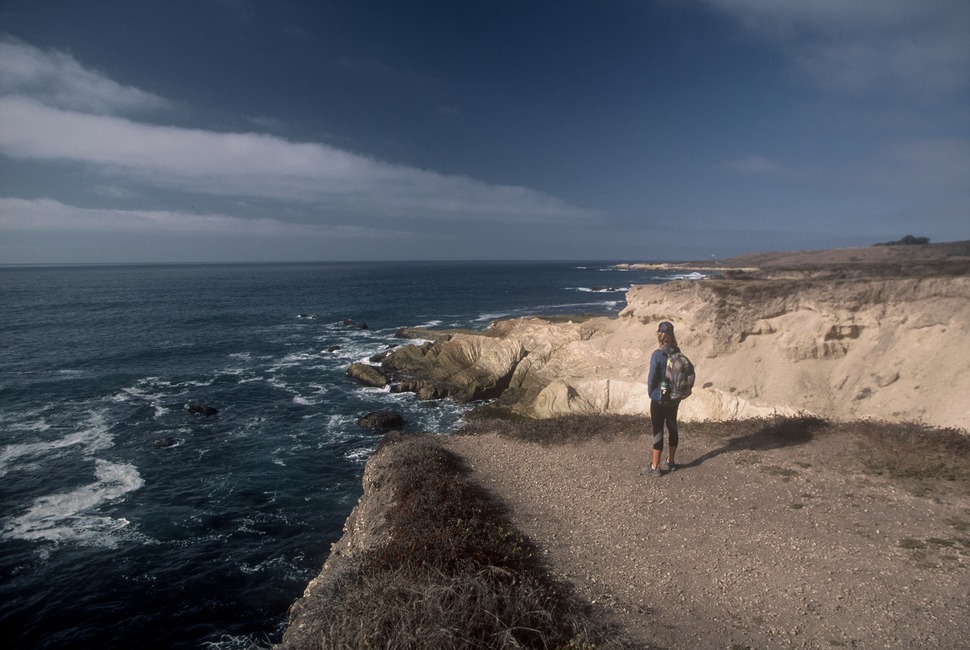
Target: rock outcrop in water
(201, 409)
(381, 420)
(463, 366)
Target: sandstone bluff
(852, 338)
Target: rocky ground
(813, 537)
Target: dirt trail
(746, 545)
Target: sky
(353, 130)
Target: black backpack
(680, 375)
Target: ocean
(128, 520)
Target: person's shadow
(770, 433)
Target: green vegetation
(908, 240)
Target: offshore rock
(367, 374)
(381, 420)
(201, 409)
(464, 366)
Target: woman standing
(663, 410)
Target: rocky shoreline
(844, 335)
(837, 339)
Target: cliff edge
(753, 561)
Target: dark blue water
(107, 539)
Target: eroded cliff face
(365, 529)
(883, 348)
(886, 348)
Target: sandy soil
(745, 545)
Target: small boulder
(165, 441)
(381, 420)
(201, 409)
(367, 374)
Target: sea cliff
(843, 339)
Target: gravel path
(740, 547)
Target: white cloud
(56, 79)
(920, 48)
(54, 109)
(48, 215)
(261, 166)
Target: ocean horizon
(127, 519)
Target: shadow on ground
(775, 433)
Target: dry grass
(914, 453)
(567, 429)
(454, 573)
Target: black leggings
(659, 415)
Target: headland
(824, 497)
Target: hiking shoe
(651, 472)
(671, 467)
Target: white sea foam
(417, 342)
(276, 566)
(91, 438)
(688, 276)
(26, 421)
(276, 382)
(198, 383)
(151, 390)
(609, 305)
(361, 454)
(600, 289)
(72, 517)
(233, 642)
(486, 317)
(298, 357)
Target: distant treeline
(908, 240)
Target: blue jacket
(658, 371)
